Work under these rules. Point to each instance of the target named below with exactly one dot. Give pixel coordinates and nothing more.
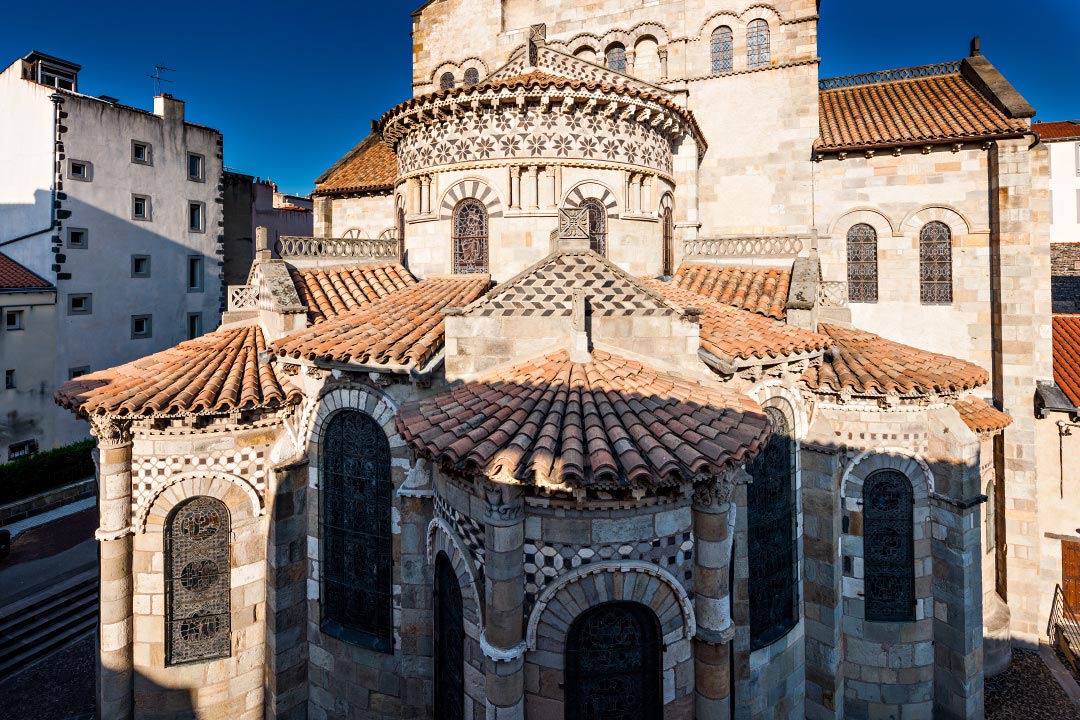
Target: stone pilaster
(714, 532)
(115, 670)
(503, 640)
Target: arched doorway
(613, 664)
(449, 643)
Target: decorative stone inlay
(468, 530)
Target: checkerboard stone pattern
(470, 532)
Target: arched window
(757, 43)
(889, 547)
(401, 233)
(597, 225)
(771, 518)
(449, 643)
(472, 77)
(669, 242)
(862, 276)
(470, 237)
(446, 82)
(613, 664)
(935, 264)
(354, 526)
(616, 58)
(721, 49)
(197, 575)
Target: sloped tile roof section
(369, 167)
(760, 290)
(916, 106)
(15, 277)
(398, 332)
(737, 335)
(980, 416)
(328, 293)
(1050, 131)
(862, 363)
(1066, 330)
(607, 424)
(218, 372)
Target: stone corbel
(498, 654)
(713, 495)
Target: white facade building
(1063, 140)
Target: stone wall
(1065, 276)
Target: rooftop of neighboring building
(1066, 343)
(17, 278)
(1058, 130)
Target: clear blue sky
(294, 85)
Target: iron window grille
(356, 595)
(446, 82)
(722, 50)
(197, 577)
(757, 44)
(616, 58)
(597, 225)
(862, 264)
(889, 547)
(470, 237)
(449, 643)
(668, 249)
(935, 264)
(472, 77)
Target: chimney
(169, 108)
(262, 244)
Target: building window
(472, 77)
(9, 379)
(196, 217)
(141, 152)
(616, 58)
(196, 168)
(449, 642)
(613, 663)
(81, 304)
(56, 77)
(771, 538)
(862, 262)
(80, 170)
(354, 525)
(757, 43)
(140, 207)
(77, 372)
(26, 448)
(446, 82)
(935, 264)
(141, 326)
(13, 320)
(597, 225)
(889, 547)
(470, 237)
(140, 266)
(721, 50)
(197, 577)
(78, 238)
(194, 325)
(401, 233)
(195, 273)
(668, 246)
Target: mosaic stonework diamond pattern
(468, 531)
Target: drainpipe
(57, 100)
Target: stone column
(629, 61)
(515, 187)
(634, 204)
(714, 531)
(116, 669)
(531, 189)
(414, 195)
(425, 194)
(550, 201)
(503, 639)
(649, 201)
(663, 53)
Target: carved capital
(713, 496)
(504, 505)
(110, 433)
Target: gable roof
(1066, 334)
(760, 290)
(1063, 130)
(327, 293)
(369, 167)
(16, 278)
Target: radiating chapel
(635, 372)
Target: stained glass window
(773, 552)
(757, 43)
(862, 264)
(668, 243)
(401, 233)
(446, 82)
(721, 49)
(597, 225)
(613, 664)
(197, 573)
(472, 77)
(889, 547)
(935, 264)
(449, 643)
(470, 237)
(616, 58)
(354, 526)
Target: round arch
(587, 189)
(958, 223)
(470, 188)
(865, 215)
(441, 538)
(240, 498)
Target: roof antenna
(158, 79)
(976, 46)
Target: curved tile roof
(863, 363)
(328, 293)
(371, 166)
(980, 416)
(1066, 333)
(402, 328)
(759, 290)
(609, 423)
(218, 372)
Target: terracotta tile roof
(332, 292)
(14, 276)
(1066, 330)
(403, 328)
(980, 416)
(1066, 130)
(733, 334)
(919, 110)
(218, 372)
(609, 424)
(760, 290)
(863, 363)
(371, 166)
